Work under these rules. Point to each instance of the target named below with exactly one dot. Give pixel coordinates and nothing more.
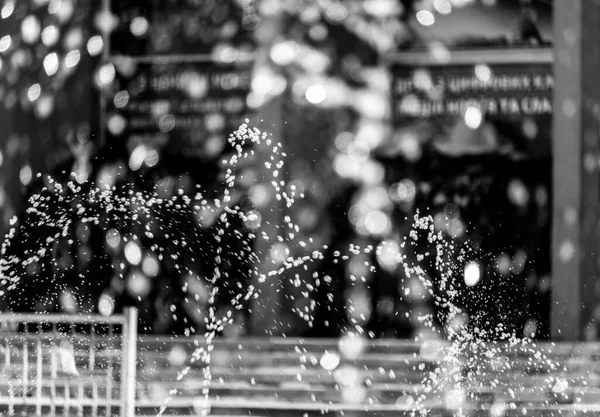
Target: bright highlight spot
(138, 284)
(352, 346)
(133, 253)
(34, 92)
(483, 72)
(330, 361)
(177, 356)
(113, 238)
(150, 266)
(121, 99)
(51, 63)
(388, 253)
(473, 117)
(8, 9)
(106, 304)
(283, 53)
(425, 17)
(139, 26)
(455, 398)
(316, 94)
(472, 274)
(442, 6)
(95, 45)
(72, 58)
(30, 29)
(49, 35)
(106, 74)
(25, 175)
(5, 42)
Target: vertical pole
(25, 366)
(39, 371)
(128, 362)
(53, 369)
(575, 234)
(109, 370)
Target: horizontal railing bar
(267, 404)
(60, 401)
(36, 318)
(268, 344)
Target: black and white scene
(300, 208)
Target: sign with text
(509, 90)
(515, 99)
(182, 108)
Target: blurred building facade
(144, 99)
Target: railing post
(128, 362)
(576, 178)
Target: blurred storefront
(384, 108)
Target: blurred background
(385, 108)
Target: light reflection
(472, 274)
(442, 6)
(150, 266)
(106, 74)
(95, 45)
(139, 26)
(483, 72)
(106, 304)
(30, 29)
(113, 238)
(455, 398)
(404, 191)
(34, 92)
(137, 157)
(51, 63)
(44, 106)
(8, 9)
(329, 361)
(351, 346)
(5, 42)
(388, 253)
(121, 99)
(68, 301)
(133, 253)
(64, 10)
(425, 17)
(50, 35)
(284, 53)
(473, 117)
(316, 94)
(72, 58)
(25, 175)
(116, 124)
(138, 284)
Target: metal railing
(68, 364)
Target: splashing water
(471, 357)
(463, 362)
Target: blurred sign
(183, 72)
(510, 90)
(184, 108)
(458, 91)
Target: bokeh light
(472, 274)
(425, 17)
(473, 117)
(133, 253)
